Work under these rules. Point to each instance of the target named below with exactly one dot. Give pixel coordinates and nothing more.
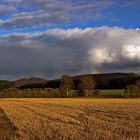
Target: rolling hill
(103, 81)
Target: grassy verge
(114, 93)
(111, 92)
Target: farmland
(74, 119)
(111, 92)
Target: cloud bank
(74, 51)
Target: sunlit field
(70, 119)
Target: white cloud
(131, 52)
(101, 55)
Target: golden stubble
(74, 119)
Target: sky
(49, 38)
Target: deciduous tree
(86, 83)
(66, 85)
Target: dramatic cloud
(55, 52)
(132, 52)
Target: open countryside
(71, 118)
(69, 70)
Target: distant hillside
(5, 84)
(103, 81)
(30, 83)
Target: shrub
(30, 93)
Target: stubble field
(70, 119)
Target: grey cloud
(74, 51)
(37, 19)
(4, 10)
(46, 13)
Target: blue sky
(40, 15)
(49, 38)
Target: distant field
(111, 92)
(106, 93)
(70, 119)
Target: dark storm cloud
(56, 52)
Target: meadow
(69, 119)
(111, 92)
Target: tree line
(85, 84)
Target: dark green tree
(66, 85)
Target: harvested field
(72, 119)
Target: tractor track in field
(81, 117)
(32, 108)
